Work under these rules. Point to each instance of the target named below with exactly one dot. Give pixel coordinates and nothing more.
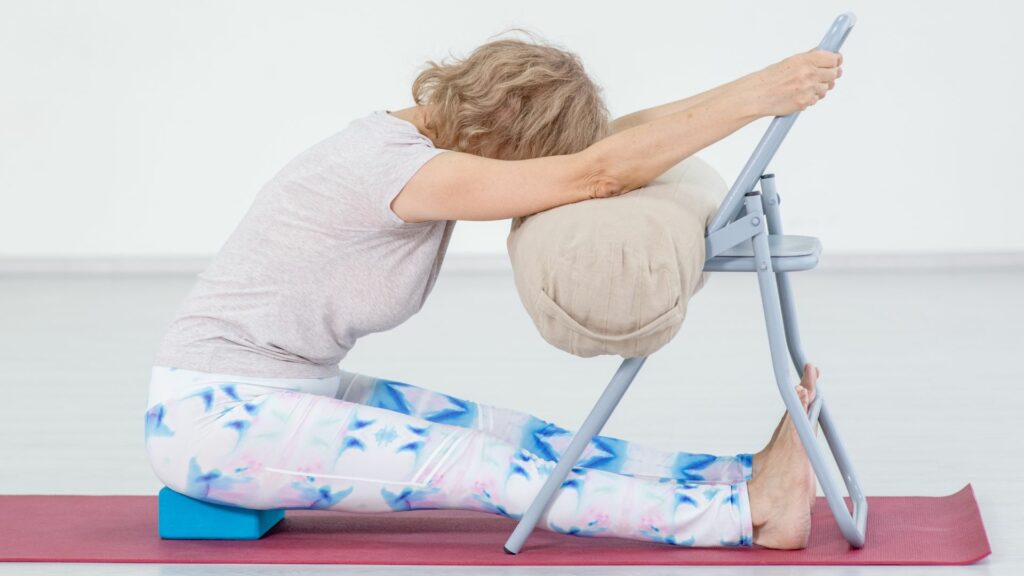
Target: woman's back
(318, 261)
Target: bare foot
(781, 488)
(808, 382)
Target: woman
(248, 405)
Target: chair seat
(789, 254)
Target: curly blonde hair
(512, 99)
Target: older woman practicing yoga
(248, 405)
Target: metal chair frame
(745, 234)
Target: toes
(810, 379)
(802, 393)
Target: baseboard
(496, 262)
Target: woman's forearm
(634, 156)
(648, 114)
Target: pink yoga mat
(901, 530)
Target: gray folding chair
(745, 235)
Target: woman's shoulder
(372, 157)
(380, 145)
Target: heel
(185, 518)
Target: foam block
(183, 518)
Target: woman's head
(512, 100)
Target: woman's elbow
(598, 177)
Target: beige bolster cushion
(614, 275)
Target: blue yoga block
(184, 518)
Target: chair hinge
(743, 228)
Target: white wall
(145, 128)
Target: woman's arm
(457, 186)
(648, 114)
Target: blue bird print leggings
(357, 443)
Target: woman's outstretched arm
(458, 186)
(648, 114)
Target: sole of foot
(808, 383)
(781, 489)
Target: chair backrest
(772, 139)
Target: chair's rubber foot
(507, 551)
(181, 517)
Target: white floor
(923, 372)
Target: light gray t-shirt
(318, 261)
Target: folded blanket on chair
(614, 275)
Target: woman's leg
(542, 438)
(246, 447)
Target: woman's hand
(795, 83)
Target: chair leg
(796, 352)
(773, 218)
(820, 413)
(591, 426)
(852, 527)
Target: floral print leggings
(356, 443)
